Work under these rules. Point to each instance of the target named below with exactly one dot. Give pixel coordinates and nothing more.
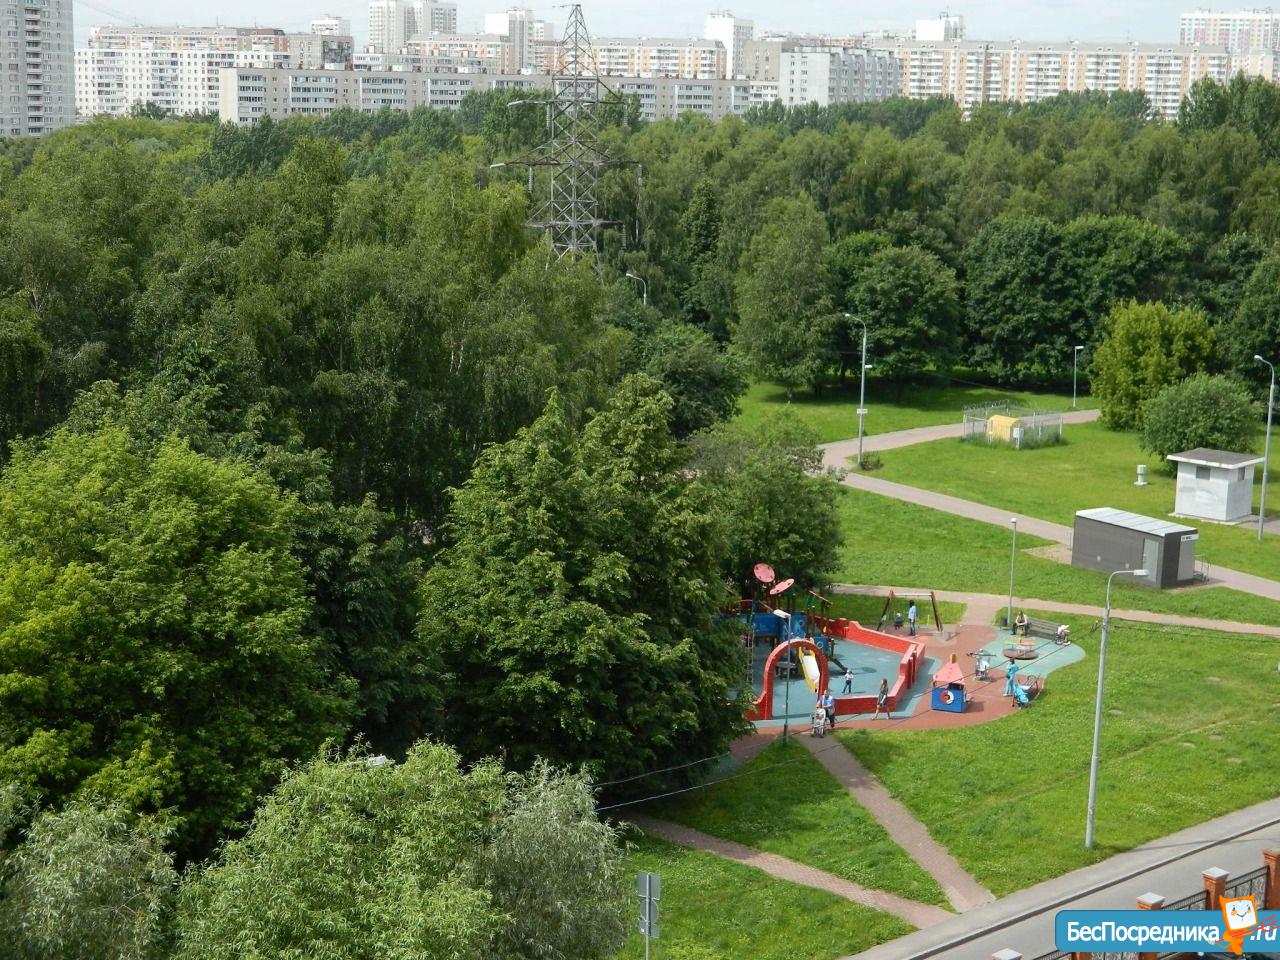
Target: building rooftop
(1203, 457)
(1134, 521)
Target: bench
(1045, 629)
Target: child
(819, 721)
(882, 701)
(897, 621)
(848, 682)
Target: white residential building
(828, 75)
(973, 72)
(489, 47)
(393, 23)
(656, 57)
(37, 67)
(331, 26)
(249, 94)
(941, 29)
(176, 68)
(532, 40)
(732, 32)
(1244, 31)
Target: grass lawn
(834, 414)
(800, 811)
(1190, 732)
(714, 909)
(1094, 469)
(867, 610)
(887, 541)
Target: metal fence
(1196, 901)
(1034, 428)
(1253, 883)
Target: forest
(313, 456)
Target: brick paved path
(910, 834)
(914, 913)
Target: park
(1191, 681)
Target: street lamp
(1013, 554)
(1074, 358)
(1097, 710)
(644, 287)
(786, 710)
(1266, 450)
(862, 384)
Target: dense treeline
(306, 439)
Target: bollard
(1006, 955)
(1271, 858)
(1150, 901)
(1215, 884)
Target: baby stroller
(819, 722)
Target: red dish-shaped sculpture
(764, 573)
(782, 587)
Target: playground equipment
(892, 597)
(948, 688)
(1022, 693)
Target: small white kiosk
(1215, 484)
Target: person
(1008, 678)
(897, 620)
(1020, 623)
(882, 700)
(1064, 634)
(828, 704)
(818, 721)
(911, 619)
(984, 664)
(848, 682)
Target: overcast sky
(1155, 21)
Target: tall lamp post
(644, 287)
(1075, 357)
(1013, 555)
(1266, 450)
(786, 715)
(862, 384)
(1097, 710)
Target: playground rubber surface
(868, 665)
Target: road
(1171, 867)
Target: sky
(1154, 21)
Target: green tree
(573, 603)
(1203, 410)
(704, 380)
(152, 631)
(1255, 328)
(910, 301)
(1016, 314)
(88, 882)
(359, 858)
(777, 507)
(1147, 347)
(784, 327)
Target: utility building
(1109, 540)
(1214, 484)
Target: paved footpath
(1170, 866)
(981, 609)
(836, 455)
(915, 913)
(910, 834)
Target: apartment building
(392, 23)
(382, 62)
(489, 47)
(659, 57)
(732, 33)
(532, 40)
(827, 75)
(248, 94)
(176, 69)
(331, 26)
(1243, 31)
(972, 72)
(37, 92)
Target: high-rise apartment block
(974, 72)
(531, 39)
(941, 29)
(732, 32)
(176, 69)
(827, 75)
(37, 67)
(331, 26)
(1244, 31)
(393, 23)
(655, 57)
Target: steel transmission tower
(570, 214)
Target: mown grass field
(800, 811)
(1190, 732)
(1095, 468)
(714, 909)
(886, 541)
(834, 414)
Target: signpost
(650, 889)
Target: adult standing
(911, 619)
(828, 704)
